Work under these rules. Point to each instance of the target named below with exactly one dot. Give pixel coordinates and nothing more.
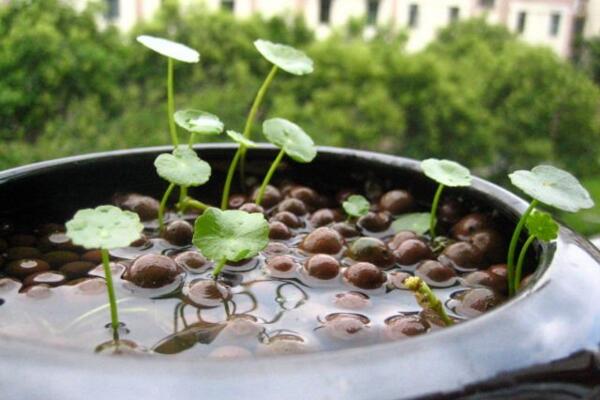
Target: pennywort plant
(427, 299)
(105, 228)
(419, 223)
(356, 206)
(291, 140)
(282, 57)
(230, 235)
(550, 186)
(445, 173)
(244, 143)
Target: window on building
(112, 9)
(372, 11)
(487, 3)
(453, 14)
(413, 15)
(521, 22)
(228, 5)
(554, 24)
(325, 11)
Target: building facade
(551, 23)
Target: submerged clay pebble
(397, 279)
(16, 253)
(436, 274)
(283, 344)
(345, 229)
(346, 326)
(411, 251)
(470, 224)
(50, 278)
(403, 326)
(396, 202)
(372, 250)
(374, 222)
(307, 195)
(491, 244)
(322, 266)
(144, 206)
(499, 269)
(152, 271)
(207, 293)
(323, 240)
(288, 218)
(91, 286)
(22, 268)
(400, 238)
(324, 216)
(60, 257)
(56, 241)
(352, 300)
(365, 275)
(294, 206)
(77, 269)
(252, 208)
(192, 260)
(236, 201)
(279, 265)
(461, 255)
(450, 211)
(179, 233)
(473, 302)
(271, 196)
(94, 256)
(276, 249)
(21, 239)
(279, 231)
(488, 279)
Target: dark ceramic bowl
(554, 317)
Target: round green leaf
(542, 226)
(285, 57)
(104, 227)
(356, 205)
(554, 187)
(241, 139)
(183, 167)
(416, 222)
(168, 48)
(291, 138)
(199, 122)
(232, 235)
(446, 172)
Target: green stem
(193, 203)
(261, 191)
(218, 268)
(163, 204)
(434, 206)
(183, 191)
(252, 115)
(520, 261)
(171, 104)
(510, 261)
(192, 139)
(112, 299)
(426, 298)
(230, 173)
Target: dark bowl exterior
(554, 317)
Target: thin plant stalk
(512, 248)
(229, 179)
(171, 104)
(188, 202)
(252, 115)
(112, 299)
(434, 206)
(163, 204)
(521, 261)
(192, 139)
(218, 268)
(426, 298)
(272, 169)
(183, 194)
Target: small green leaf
(542, 226)
(199, 122)
(554, 187)
(285, 57)
(241, 139)
(446, 172)
(416, 222)
(168, 48)
(356, 205)
(183, 167)
(104, 227)
(291, 138)
(232, 235)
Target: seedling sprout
(105, 227)
(547, 185)
(445, 173)
(292, 140)
(243, 143)
(230, 235)
(427, 299)
(356, 206)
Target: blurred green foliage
(477, 94)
